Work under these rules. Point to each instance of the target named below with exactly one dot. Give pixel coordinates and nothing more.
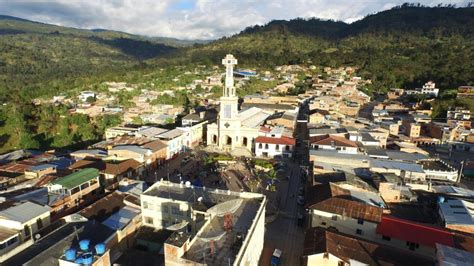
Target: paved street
(284, 233)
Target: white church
(234, 129)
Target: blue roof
(42, 167)
(62, 163)
(246, 73)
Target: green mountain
(42, 59)
(404, 46)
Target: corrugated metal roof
(411, 167)
(132, 148)
(78, 178)
(24, 211)
(120, 219)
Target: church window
(227, 111)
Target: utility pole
(460, 171)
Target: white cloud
(203, 19)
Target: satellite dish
(187, 184)
(37, 236)
(200, 199)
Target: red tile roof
(283, 140)
(265, 129)
(414, 232)
(327, 140)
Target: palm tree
(272, 175)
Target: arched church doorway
(214, 139)
(228, 140)
(244, 142)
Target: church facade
(234, 129)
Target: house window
(27, 230)
(287, 148)
(323, 223)
(145, 205)
(334, 218)
(12, 241)
(39, 223)
(386, 238)
(175, 210)
(412, 246)
(277, 147)
(3, 245)
(360, 221)
(359, 231)
(260, 145)
(266, 146)
(148, 220)
(165, 209)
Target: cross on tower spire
(229, 62)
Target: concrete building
(410, 172)
(439, 170)
(335, 143)
(412, 130)
(83, 96)
(275, 144)
(114, 132)
(330, 247)
(348, 210)
(175, 140)
(123, 152)
(213, 227)
(20, 224)
(74, 189)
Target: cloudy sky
(191, 19)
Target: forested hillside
(40, 59)
(401, 47)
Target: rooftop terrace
(221, 237)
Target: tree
(137, 121)
(90, 99)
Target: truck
(276, 257)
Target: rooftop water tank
(70, 254)
(100, 248)
(87, 258)
(84, 244)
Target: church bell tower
(229, 100)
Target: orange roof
(283, 140)
(330, 139)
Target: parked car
(301, 191)
(276, 257)
(300, 200)
(300, 220)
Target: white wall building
(275, 144)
